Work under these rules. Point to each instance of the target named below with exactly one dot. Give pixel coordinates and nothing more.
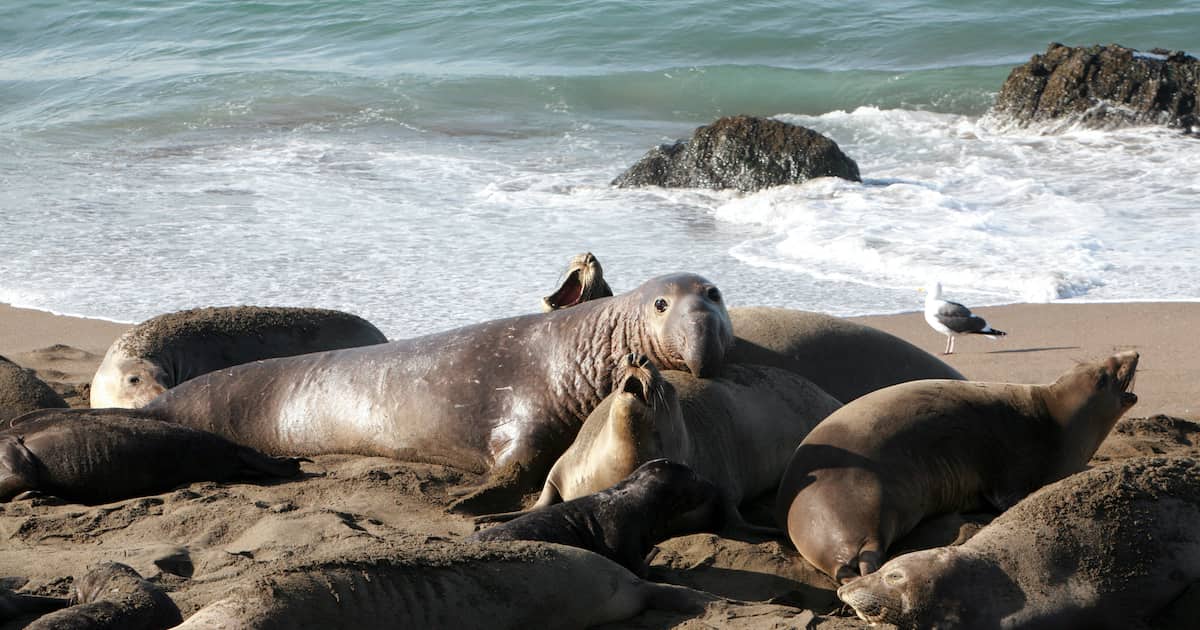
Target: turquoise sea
(430, 164)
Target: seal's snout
(866, 604)
(1123, 366)
(637, 376)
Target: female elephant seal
(659, 500)
(737, 430)
(876, 467)
(475, 585)
(583, 281)
(1106, 548)
(844, 358)
(113, 596)
(21, 392)
(164, 351)
(504, 397)
(97, 456)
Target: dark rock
(742, 152)
(1104, 87)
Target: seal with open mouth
(584, 281)
(876, 467)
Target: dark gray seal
(113, 596)
(659, 500)
(504, 397)
(507, 585)
(582, 282)
(164, 351)
(21, 392)
(875, 468)
(1102, 549)
(14, 605)
(98, 456)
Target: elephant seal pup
(21, 392)
(842, 357)
(112, 595)
(466, 585)
(1105, 548)
(14, 604)
(737, 430)
(878, 466)
(583, 281)
(504, 397)
(164, 351)
(103, 455)
(659, 500)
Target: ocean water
(432, 164)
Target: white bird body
(953, 319)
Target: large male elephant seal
(659, 500)
(21, 392)
(1103, 549)
(876, 467)
(583, 281)
(102, 455)
(504, 397)
(164, 351)
(113, 596)
(490, 585)
(844, 358)
(738, 430)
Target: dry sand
(201, 540)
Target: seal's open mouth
(568, 294)
(1126, 375)
(634, 385)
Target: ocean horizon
(428, 165)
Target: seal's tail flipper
(677, 598)
(18, 467)
(255, 464)
(500, 517)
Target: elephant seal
(164, 351)
(1105, 548)
(102, 455)
(21, 392)
(504, 397)
(737, 430)
(14, 605)
(659, 500)
(583, 281)
(878, 466)
(112, 595)
(844, 358)
(466, 585)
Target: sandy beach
(199, 540)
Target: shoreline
(1044, 340)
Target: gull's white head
(932, 290)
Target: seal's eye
(894, 577)
(134, 380)
(660, 305)
(714, 294)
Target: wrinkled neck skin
(1082, 432)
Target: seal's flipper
(500, 517)
(500, 492)
(676, 598)
(18, 467)
(256, 464)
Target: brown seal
(456, 585)
(583, 281)
(711, 425)
(878, 466)
(1105, 548)
(844, 358)
(102, 455)
(504, 397)
(164, 351)
(21, 391)
(659, 500)
(113, 596)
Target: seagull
(953, 319)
